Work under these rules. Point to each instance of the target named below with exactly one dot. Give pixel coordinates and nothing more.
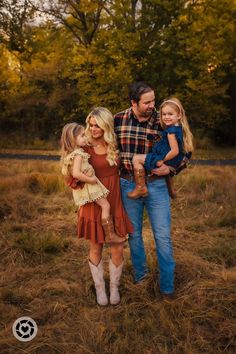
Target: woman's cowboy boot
(97, 274)
(110, 235)
(170, 186)
(140, 189)
(115, 274)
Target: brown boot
(110, 235)
(140, 189)
(170, 186)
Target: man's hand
(161, 171)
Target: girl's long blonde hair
(105, 121)
(187, 135)
(68, 138)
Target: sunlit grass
(222, 252)
(44, 271)
(32, 244)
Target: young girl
(175, 140)
(75, 166)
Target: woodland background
(59, 59)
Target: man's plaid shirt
(135, 137)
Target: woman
(104, 159)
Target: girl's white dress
(90, 192)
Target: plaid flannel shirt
(135, 137)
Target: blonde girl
(175, 141)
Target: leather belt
(148, 178)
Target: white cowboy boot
(97, 274)
(115, 274)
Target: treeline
(59, 59)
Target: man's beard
(146, 114)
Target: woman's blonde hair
(105, 121)
(187, 135)
(68, 137)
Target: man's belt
(148, 178)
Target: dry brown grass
(44, 272)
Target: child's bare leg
(138, 161)
(104, 204)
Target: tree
(15, 31)
(45, 93)
(190, 57)
(81, 18)
(86, 53)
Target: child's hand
(160, 163)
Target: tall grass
(44, 271)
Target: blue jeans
(157, 204)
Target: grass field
(44, 271)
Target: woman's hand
(76, 172)
(93, 180)
(88, 172)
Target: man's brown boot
(110, 235)
(140, 189)
(170, 186)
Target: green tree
(46, 93)
(191, 57)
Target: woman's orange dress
(89, 215)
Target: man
(136, 129)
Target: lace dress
(90, 192)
